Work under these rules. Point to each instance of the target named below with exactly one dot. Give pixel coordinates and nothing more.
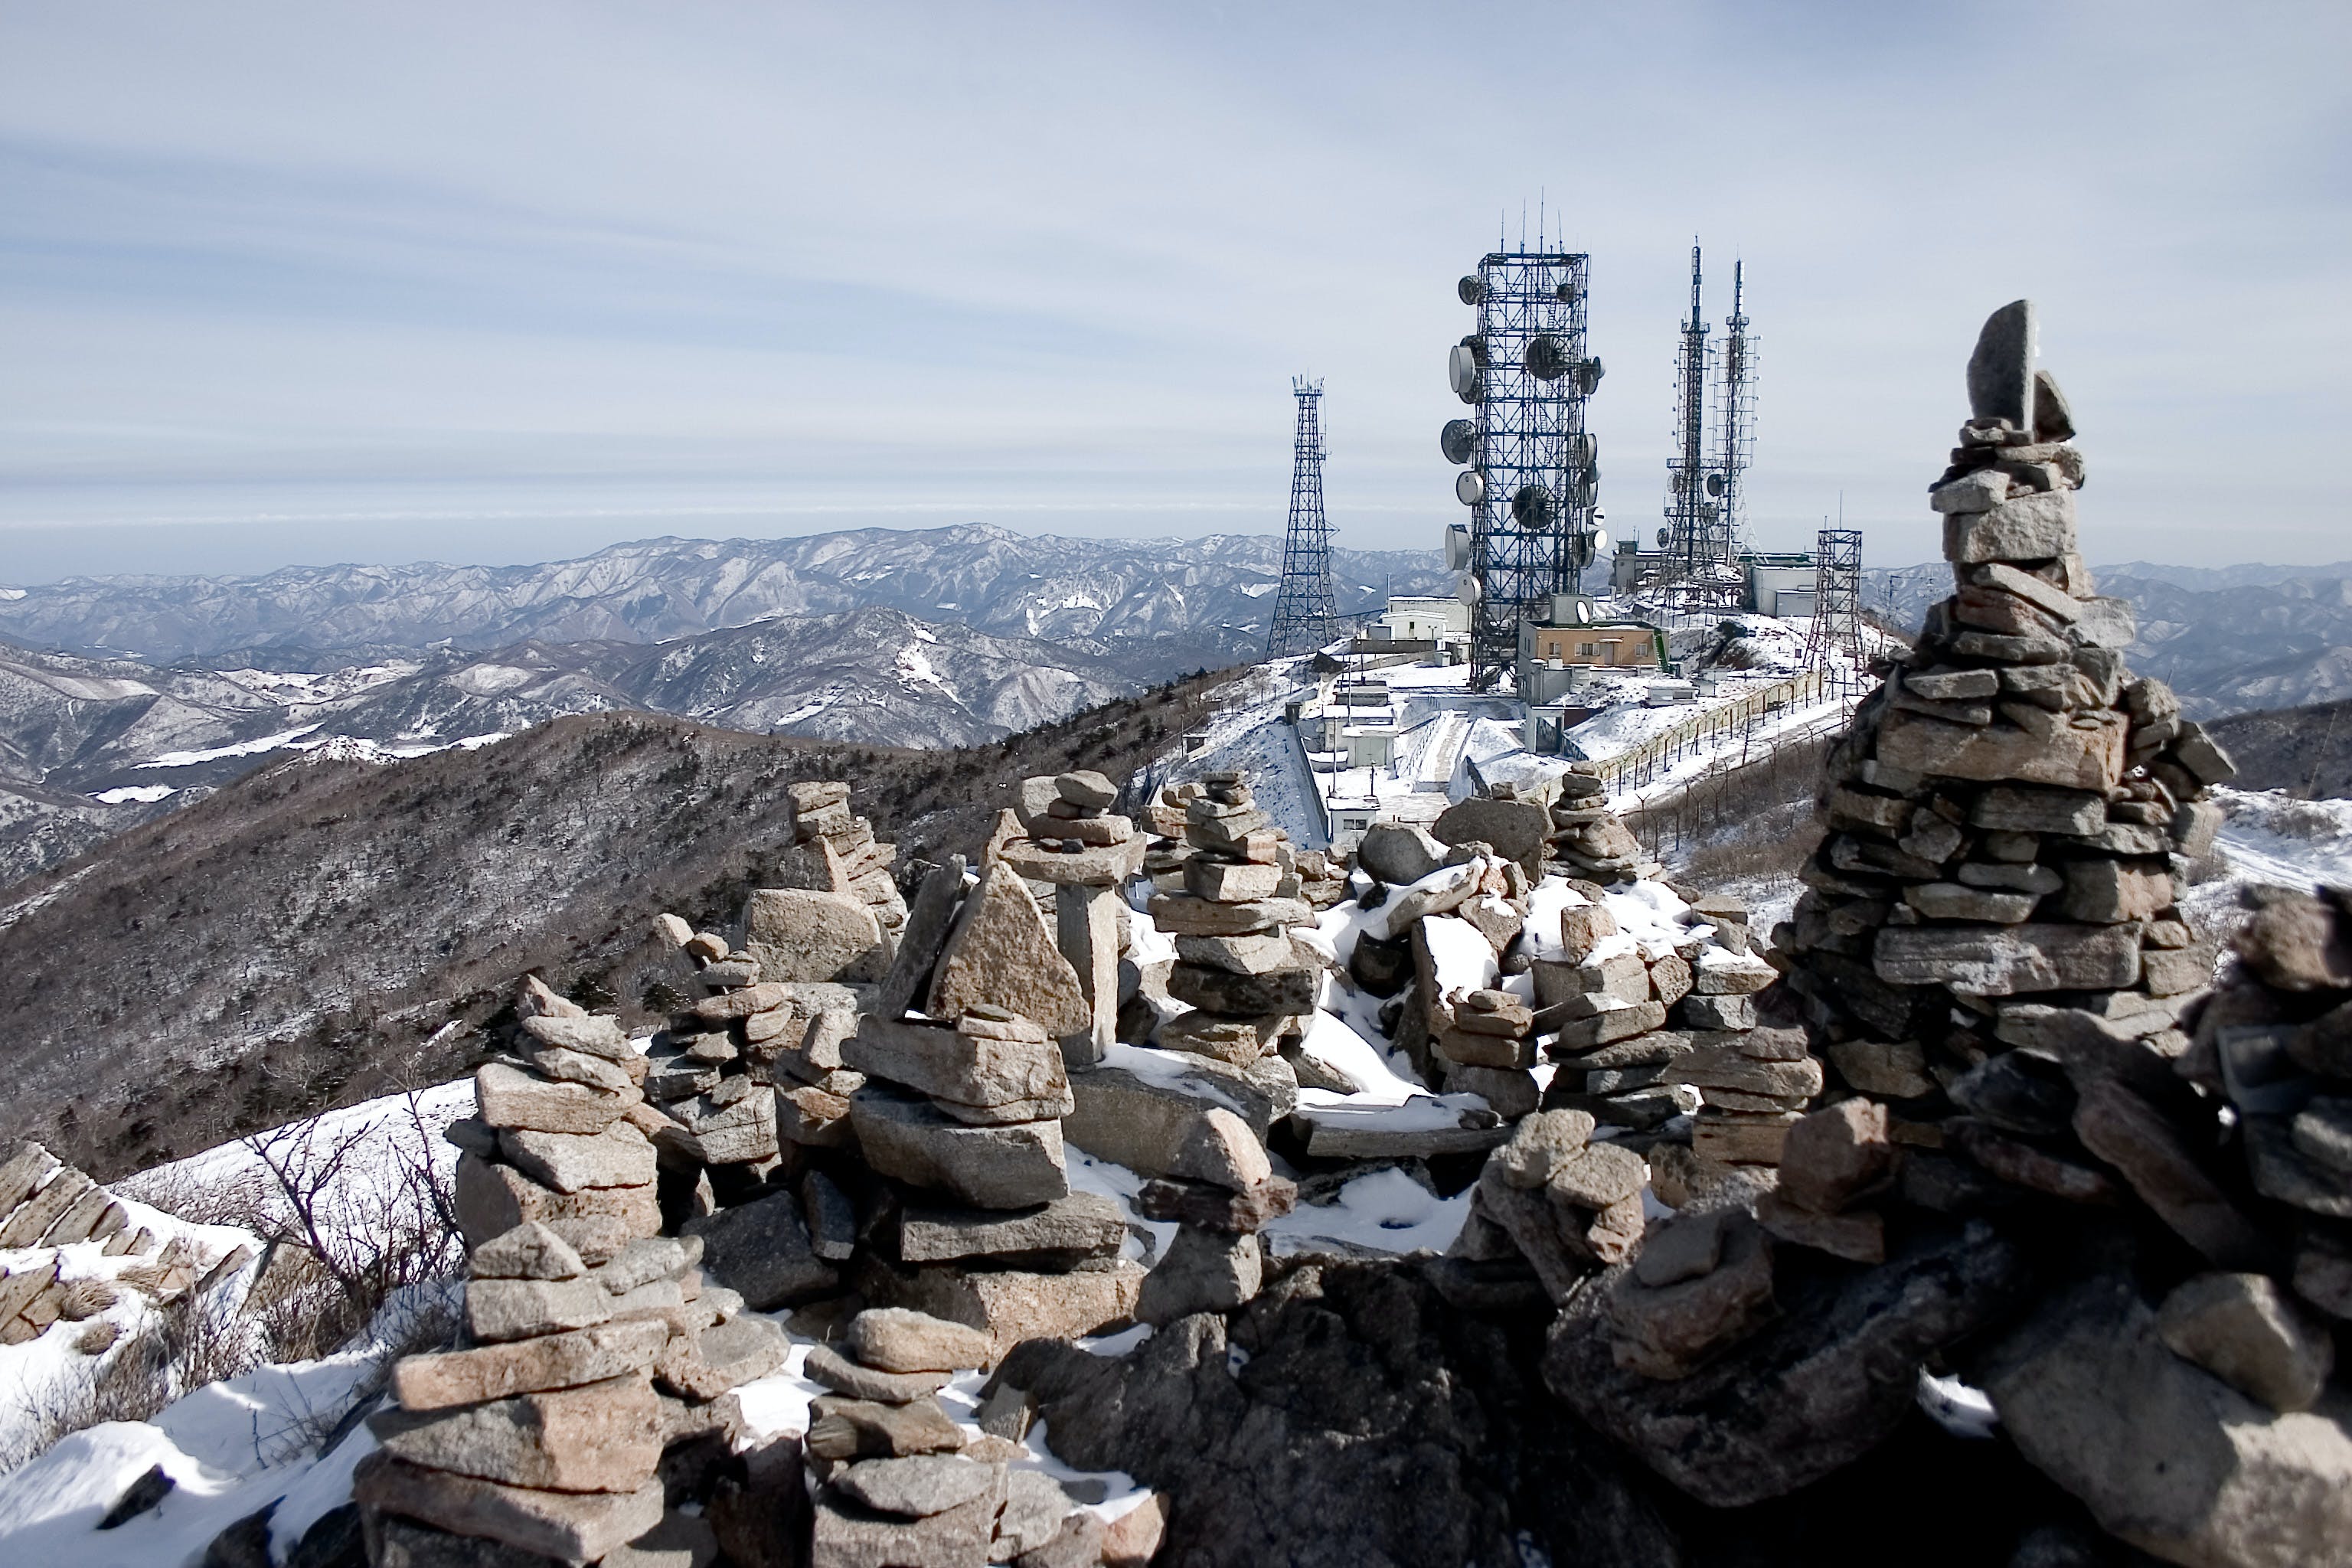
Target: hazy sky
(509, 282)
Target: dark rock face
(1828, 1382)
(1370, 1424)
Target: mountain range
(129, 697)
(1152, 604)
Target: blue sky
(301, 282)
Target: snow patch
(130, 794)
(218, 753)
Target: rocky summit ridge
(1021, 1148)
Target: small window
(1584, 650)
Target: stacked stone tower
(2007, 824)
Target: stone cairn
(1065, 838)
(2116, 1203)
(591, 1344)
(857, 1113)
(1589, 843)
(46, 1205)
(834, 852)
(900, 1483)
(1249, 986)
(2006, 826)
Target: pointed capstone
(1002, 952)
(2000, 371)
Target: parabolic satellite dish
(1458, 440)
(1583, 449)
(1470, 290)
(1469, 487)
(1546, 357)
(1532, 508)
(1469, 591)
(1585, 489)
(1715, 484)
(1589, 374)
(1599, 540)
(1457, 547)
(1569, 292)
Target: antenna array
(1532, 475)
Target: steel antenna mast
(1305, 613)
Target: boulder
(529, 1251)
(501, 1310)
(895, 1339)
(1831, 1377)
(2164, 1454)
(1002, 952)
(509, 1096)
(919, 1486)
(597, 1222)
(2069, 758)
(800, 934)
(1203, 1271)
(2004, 960)
(619, 1156)
(439, 1380)
(929, 919)
(1010, 1305)
(1836, 1155)
(947, 1065)
(838, 1372)
(603, 1438)
(1399, 853)
(1081, 1224)
(1151, 1125)
(1515, 829)
(762, 1249)
(2251, 1335)
(848, 1536)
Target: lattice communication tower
(1735, 414)
(1700, 571)
(1834, 646)
(1305, 614)
(1532, 475)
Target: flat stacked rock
(1567, 1205)
(546, 1430)
(974, 1219)
(1486, 1046)
(45, 1205)
(1221, 1190)
(1086, 855)
(559, 1134)
(710, 1073)
(900, 1481)
(1994, 904)
(834, 852)
(1587, 841)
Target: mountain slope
(326, 927)
(1175, 602)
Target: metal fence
(1706, 730)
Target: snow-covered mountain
(1165, 602)
(89, 747)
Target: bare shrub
(333, 1273)
(2299, 819)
